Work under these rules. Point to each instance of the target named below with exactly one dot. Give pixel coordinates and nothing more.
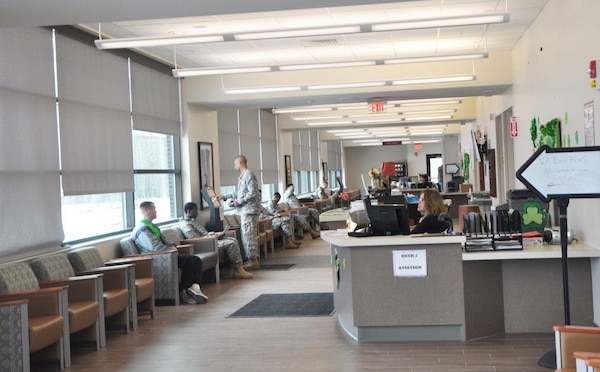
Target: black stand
(214, 221)
(548, 360)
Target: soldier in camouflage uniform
(279, 221)
(290, 198)
(191, 228)
(299, 220)
(247, 202)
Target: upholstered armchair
(14, 328)
(205, 248)
(47, 313)
(571, 339)
(86, 306)
(267, 228)
(143, 286)
(115, 282)
(164, 270)
(264, 227)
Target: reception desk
(461, 295)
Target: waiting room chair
(205, 248)
(86, 305)
(164, 270)
(14, 328)
(115, 283)
(571, 339)
(47, 313)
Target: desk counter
(464, 295)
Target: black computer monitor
(387, 219)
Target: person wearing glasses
(430, 205)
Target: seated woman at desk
(431, 205)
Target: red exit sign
(378, 106)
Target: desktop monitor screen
(387, 219)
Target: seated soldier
(279, 221)
(191, 228)
(298, 219)
(323, 191)
(290, 198)
(147, 238)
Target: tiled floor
(203, 338)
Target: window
(157, 177)
(84, 216)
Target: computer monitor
(387, 219)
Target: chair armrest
(115, 277)
(203, 244)
(185, 249)
(142, 263)
(577, 329)
(80, 288)
(42, 302)
(13, 303)
(156, 253)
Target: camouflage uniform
(298, 219)
(147, 241)
(248, 209)
(191, 228)
(278, 222)
(290, 198)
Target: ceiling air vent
(321, 42)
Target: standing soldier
(247, 202)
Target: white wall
(550, 65)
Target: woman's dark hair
(189, 206)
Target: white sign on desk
(411, 263)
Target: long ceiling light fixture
(413, 24)
(207, 71)
(366, 84)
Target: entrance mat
(276, 266)
(288, 304)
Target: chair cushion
(87, 258)
(44, 331)
(209, 259)
(128, 247)
(17, 278)
(52, 267)
(115, 300)
(82, 314)
(144, 287)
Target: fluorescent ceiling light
(317, 117)
(347, 131)
(426, 101)
(279, 34)
(141, 42)
(455, 57)
(187, 72)
(304, 109)
(424, 112)
(313, 66)
(379, 121)
(366, 140)
(331, 123)
(429, 118)
(261, 90)
(432, 80)
(347, 85)
(443, 22)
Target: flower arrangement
(375, 173)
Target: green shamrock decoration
(534, 217)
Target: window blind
(229, 145)
(95, 121)
(268, 145)
(30, 216)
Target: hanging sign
(378, 106)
